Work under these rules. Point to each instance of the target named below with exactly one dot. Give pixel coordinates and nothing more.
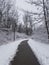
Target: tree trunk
(14, 35)
(45, 18)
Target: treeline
(43, 6)
(9, 18)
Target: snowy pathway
(8, 51)
(24, 56)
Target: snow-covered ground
(40, 34)
(38, 43)
(8, 51)
(4, 38)
(41, 50)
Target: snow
(41, 35)
(41, 50)
(22, 6)
(8, 51)
(5, 39)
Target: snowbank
(8, 51)
(41, 51)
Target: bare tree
(45, 16)
(0, 16)
(28, 23)
(14, 22)
(5, 7)
(41, 4)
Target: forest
(10, 19)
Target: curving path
(24, 56)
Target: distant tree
(6, 8)
(14, 28)
(0, 16)
(14, 21)
(28, 23)
(20, 28)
